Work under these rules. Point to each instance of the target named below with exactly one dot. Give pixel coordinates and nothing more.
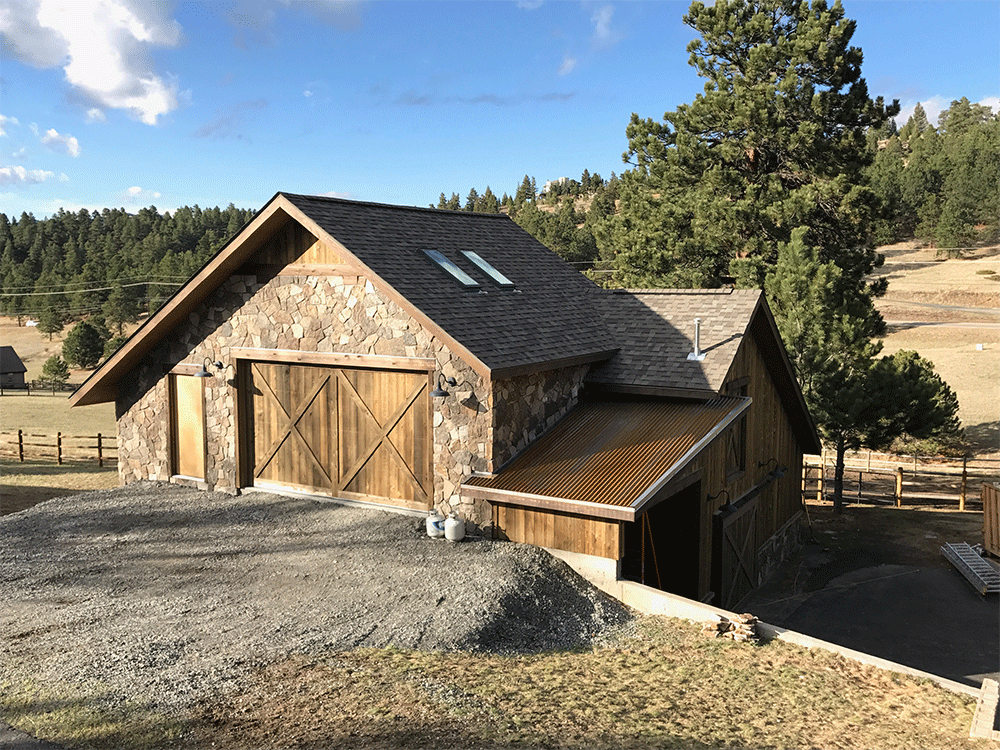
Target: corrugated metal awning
(608, 458)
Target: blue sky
(122, 103)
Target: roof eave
(101, 385)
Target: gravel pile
(157, 592)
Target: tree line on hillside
(106, 267)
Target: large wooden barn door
(355, 433)
(294, 425)
(734, 562)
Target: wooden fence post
(59, 448)
(100, 452)
(20, 446)
(899, 486)
(965, 482)
(822, 474)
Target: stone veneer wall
(332, 314)
(528, 405)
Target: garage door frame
(243, 357)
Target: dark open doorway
(661, 546)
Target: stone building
(419, 358)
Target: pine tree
(856, 400)
(55, 372)
(84, 345)
(776, 141)
(121, 308)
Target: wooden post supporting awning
(609, 459)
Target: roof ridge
(666, 291)
(393, 206)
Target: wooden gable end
(294, 251)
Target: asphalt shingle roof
(655, 332)
(9, 361)
(548, 316)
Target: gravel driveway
(164, 594)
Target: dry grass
(46, 414)
(73, 718)
(25, 484)
(974, 375)
(34, 347)
(667, 687)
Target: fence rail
(899, 480)
(100, 448)
(37, 386)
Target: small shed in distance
(12, 369)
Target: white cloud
(604, 35)
(63, 177)
(96, 114)
(67, 144)
(567, 66)
(993, 102)
(136, 193)
(4, 121)
(21, 154)
(102, 47)
(20, 175)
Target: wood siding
(294, 244)
(588, 536)
(769, 435)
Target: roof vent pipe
(697, 355)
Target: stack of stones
(741, 629)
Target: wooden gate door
(385, 439)
(734, 559)
(354, 433)
(294, 426)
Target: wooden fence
(991, 518)
(901, 480)
(21, 445)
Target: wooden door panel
(341, 431)
(188, 426)
(294, 425)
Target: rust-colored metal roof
(609, 458)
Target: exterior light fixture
(778, 472)
(203, 372)
(440, 392)
(729, 500)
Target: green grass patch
(84, 717)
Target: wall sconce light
(203, 372)
(778, 472)
(440, 392)
(716, 496)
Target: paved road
(928, 618)
(936, 306)
(937, 324)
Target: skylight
(461, 276)
(486, 268)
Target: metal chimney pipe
(697, 355)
